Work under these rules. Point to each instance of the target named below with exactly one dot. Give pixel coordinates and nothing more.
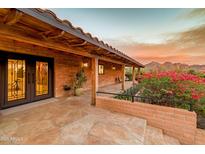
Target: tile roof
(51, 18)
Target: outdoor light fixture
(85, 64)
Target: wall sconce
(85, 64)
(113, 68)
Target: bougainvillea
(176, 76)
(184, 83)
(177, 86)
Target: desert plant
(79, 80)
(182, 89)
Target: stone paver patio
(70, 121)
(116, 88)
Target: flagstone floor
(70, 121)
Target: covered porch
(37, 36)
(116, 88)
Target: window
(100, 69)
(41, 78)
(16, 79)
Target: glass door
(24, 79)
(42, 85)
(16, 87)
(2, 62)
(41, 78)
(16, 81)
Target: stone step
(170, 140)
(153, 136)
(117, 129)
(137, 127)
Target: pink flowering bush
(182, 89)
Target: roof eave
(50, 18)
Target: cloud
(186, 59)
(185, 47)
(195, 13)
(192, 37)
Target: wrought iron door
(25, 79)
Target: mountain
(168, 66)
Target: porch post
(138, 73)
(133, 75)
(123, 77)
(94, 79)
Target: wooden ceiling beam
(9, 32)
(46, 34)
(57, 36)
(12, 33)
(98, 48)
(79, 45)
(110, 60)
(12, 17)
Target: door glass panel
(41, 78)
(16, 79)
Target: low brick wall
(177, 123)
(200, 136)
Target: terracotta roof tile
(49, 14)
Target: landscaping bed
(175, 89)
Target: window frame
(103, 69)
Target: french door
(25, 79)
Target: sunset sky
(175, 35)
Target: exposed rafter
(9, 32)
(47, 35)
(44, 34)
(48, 17)
(99, 49)
(78, 45)
(12, 17)
(57, 36)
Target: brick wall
(66, 65)
(109, 75)
(178, 123)
(200, 136)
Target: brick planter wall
(200, 136)
(178, 123)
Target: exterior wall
(109, 75)
(178, 123)
(200, 136)
(66, 65)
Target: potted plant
(80, 79)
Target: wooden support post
(133, 75)
(123, 77)
(94, 79)
(138, 74)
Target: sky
(161, 35)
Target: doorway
(25, 79)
